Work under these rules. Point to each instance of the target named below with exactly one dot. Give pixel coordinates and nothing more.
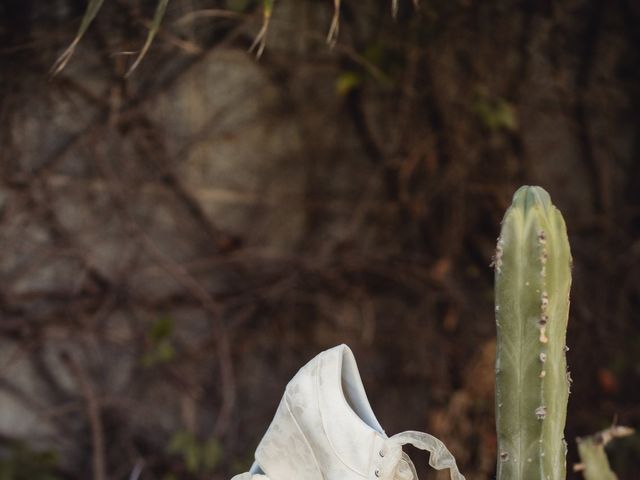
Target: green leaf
(23, 463)
(347, 82)
(199, 457)
(180, 441)
(161, 329)
(211, 455)
(162, 353)
(161, 350)
(495, 113)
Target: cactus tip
(528, 197)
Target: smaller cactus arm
(593, 457)
(595, 465)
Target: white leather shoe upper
(324, 429)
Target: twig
(94, 414)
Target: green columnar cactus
(533, 278)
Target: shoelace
(439, 457)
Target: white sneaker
(324, 429)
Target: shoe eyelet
(381, 453)
(377, 473)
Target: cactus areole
(532, 279)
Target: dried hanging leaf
(261, 39)
(161, 8)
(332, 36)
(90, 13)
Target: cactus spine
(532, 279)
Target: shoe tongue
(351, 436)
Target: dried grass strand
(161, 8)
(89, 15)
(260, 41)
(334, 30)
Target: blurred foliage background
(176, 243)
